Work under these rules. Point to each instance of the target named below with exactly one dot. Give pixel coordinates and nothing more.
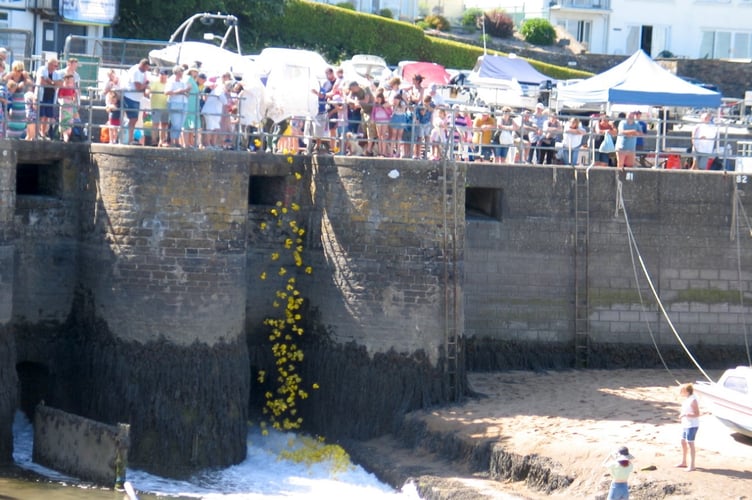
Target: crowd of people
(172, 107)
(395, 119)
(41, 107)
(182, 107)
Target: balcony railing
(581, 4)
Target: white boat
(213, 52)
(507, 81)
(366, 68)
(730, 399)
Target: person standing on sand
(620, 466)
(690, 419)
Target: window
(725, 44)
(483, 203)
(4, 24)
(738, 384)
(583, 32)
(741, 46)
(722, 44)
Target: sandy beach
(575, 419)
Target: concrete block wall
(520, 269)
(518, 278)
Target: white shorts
(320, 125)
(212, 122)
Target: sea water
(262, 475)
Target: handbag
(607, 146)
(503, 137)
(715, 164)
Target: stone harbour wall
(520, 267)
(130, 285)
(8, 376)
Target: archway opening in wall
(39, 179)
(483, 203)
(265, 190)
(33, 385)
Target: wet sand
(572, 420)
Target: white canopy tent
(638, 81)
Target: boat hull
(730, 399)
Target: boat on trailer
(730, 399)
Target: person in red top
(66, 97)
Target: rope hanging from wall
(636, 257)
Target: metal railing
(583, 4)
(666, 144)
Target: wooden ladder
(581, 303)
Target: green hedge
(338, 34)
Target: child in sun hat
(620, 466)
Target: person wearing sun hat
(620, 466)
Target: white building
(34, 27)
(694, 29)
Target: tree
(470, 18)
(538, 32)
(498, 24)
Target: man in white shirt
(48, 80)
(703, 141)
(135, 86)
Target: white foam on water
(262, 475)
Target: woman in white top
(690, 420)
(573, 135)
(176, 91)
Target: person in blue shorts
(690, 420)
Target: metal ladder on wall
(581, 302)
(451, 293)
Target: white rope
(740, 207)
(633, 243)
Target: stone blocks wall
(165, 287)
(390, 242)
(130, 295)
(47, 226)
(169, 243)
(80, 447)
(385, 241)
(520, 278)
